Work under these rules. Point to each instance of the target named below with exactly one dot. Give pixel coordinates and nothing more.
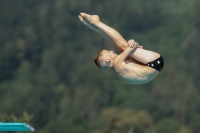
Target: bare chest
(134, 73)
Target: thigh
(144, 56)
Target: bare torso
(129, 71)
(134, 73)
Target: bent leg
(142, 55)
(110, 34)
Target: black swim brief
(157, 64)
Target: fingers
(131, 43)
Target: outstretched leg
(114, 37)
(94, 23)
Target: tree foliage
(47, 69)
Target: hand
(133, 44)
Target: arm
(131, 49)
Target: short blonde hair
(97, 59)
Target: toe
(82, 14)
(79, 16)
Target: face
(108, 54)
(106, 57)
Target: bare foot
(89, 20)
(132, 43)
